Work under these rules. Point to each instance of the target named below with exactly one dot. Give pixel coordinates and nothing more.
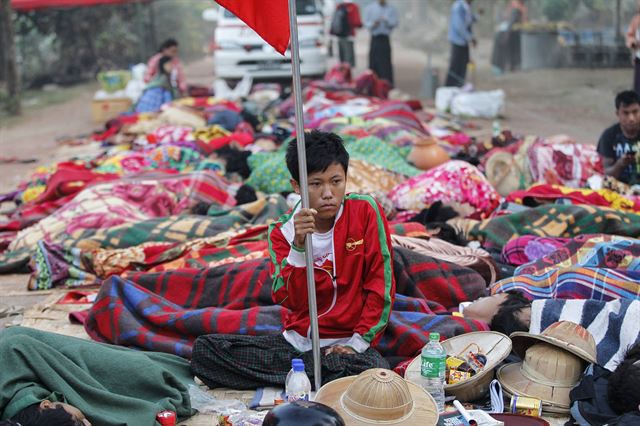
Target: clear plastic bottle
(433, 369)
(297, 386)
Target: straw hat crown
(551, 365)
(378, 394)
(567, 335)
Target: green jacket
(111, 385)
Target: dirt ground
(577, 102)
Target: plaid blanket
(58, 265)
(166, 311)
(126, 201)
(552, 221)
(594, 251)
(575, 282)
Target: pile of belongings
(165, 216)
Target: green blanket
(554, 220)
(269, 169)
(111, 385)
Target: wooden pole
(11, 69)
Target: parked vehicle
(239, 51)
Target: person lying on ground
(612, 323)
(51, 379)
(353, 269)
(618, 144)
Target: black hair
(33, 415)
(506, 320)
(624, 391)
(162, 62)
(436, 217)
(322, 149)
(170, 42)
(627, 98)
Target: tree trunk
(9, 47)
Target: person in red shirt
(168, 48)
(355, 285)
(345, 33)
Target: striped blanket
(614, 324)
(166, 311)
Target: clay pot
(427, 154)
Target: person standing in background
(346, 20)
(506, 55)
(633, 43)
(460, 36)
(381, 18)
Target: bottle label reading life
(432, 367)
(299, 396)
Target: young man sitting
(353, 272)
(617, 145)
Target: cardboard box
(106, 109)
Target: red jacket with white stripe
(358, 298)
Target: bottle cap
(166, 418)
(434, 337)
(297, 364)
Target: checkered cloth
(553, 220)
(166, 311)
(249, 362)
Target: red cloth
(269, 18)
(359, 295)
(553, 192)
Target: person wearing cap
(48, 378)
(355, 284)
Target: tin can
(166, 418)
(525, 406)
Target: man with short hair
(353, 270)
(618, 144)
(381, 18)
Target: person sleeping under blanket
(51, 379)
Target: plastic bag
(478, 104)
(444, 96)
(207, 404)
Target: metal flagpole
(304, 191)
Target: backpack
(340, 26)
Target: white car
(239, 51)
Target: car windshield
(303, 7)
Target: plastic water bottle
(297, 387)
(496, 128)
(433, 369)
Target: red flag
(269, 18)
